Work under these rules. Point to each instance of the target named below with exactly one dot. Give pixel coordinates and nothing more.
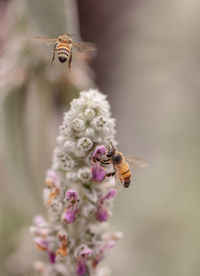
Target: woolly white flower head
(77, 204)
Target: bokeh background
(148, 63)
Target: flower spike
(78, 195)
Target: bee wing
(137, 162)
(84, 46)
(46, 40)
(117, 176)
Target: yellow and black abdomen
(124, 173)
(63, 51)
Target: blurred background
(148, 63)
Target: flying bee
(63, 44)
(120, 163)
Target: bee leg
(70, 61)
(53, 56)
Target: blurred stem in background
(32, 100)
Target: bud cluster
(78, 194)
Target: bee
(63, 44)
(120, 163)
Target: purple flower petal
(96, 261)
(109, 245)
(38, 220)
(85, 252)
(102, 214)
(70, 214)
(72, 195)
(100, 255)
(81, 268)
(41, 243)
(52, 257)
(98, 172)
(53, 176)
(99, 151)
(110, 194)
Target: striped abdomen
(124, 173)
(64, 50)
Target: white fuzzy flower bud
(78, 124)
(69, 146)
(65, 162)
(71, 177)
(55, 211)
(99, 122)
(90, 132)
(89, 114)
(84, 144)
(60, 140)
(84, 174)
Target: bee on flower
(110, 155)
(79, 194)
